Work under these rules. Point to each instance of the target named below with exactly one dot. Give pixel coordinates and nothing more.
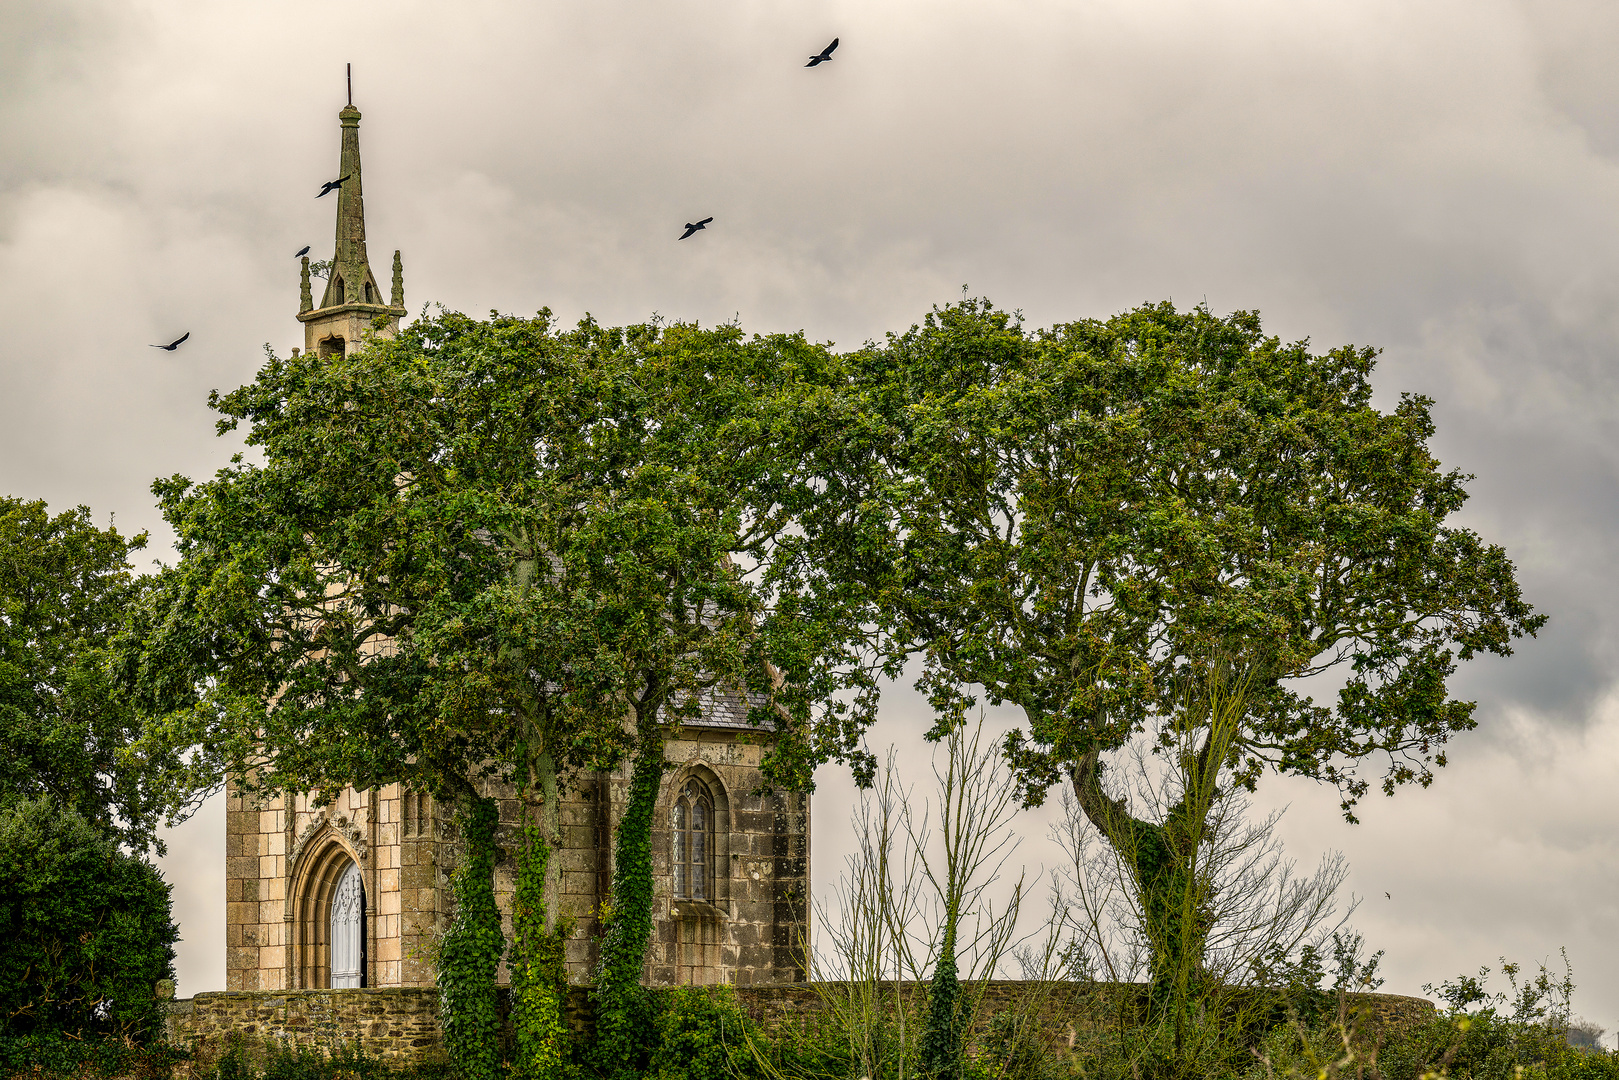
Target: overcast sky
(1440, 179)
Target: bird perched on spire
(824, 56)
(690, 228)
(175, 344)
(331, 184)
(301, 252)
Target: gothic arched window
(348, 930)
(693, 842)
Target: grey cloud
(1438, 179)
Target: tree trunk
(1162, 860)
(539, 973)
(472, 949)
(942, 1050)
(620, 1000)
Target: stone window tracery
(692, 842)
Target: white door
(348, 929)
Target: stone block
(242, 866)
(242, 913)
(575, 858)
(417, 877)
(578, 814)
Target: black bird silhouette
(175, 344)
(690, 228)
(301, 252)
(824, 56)
(1390, 897)
(330, 184)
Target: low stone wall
(400, 1025)
(397, 1024)
(1062, 1007)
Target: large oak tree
(1105, 522)
(492, 549)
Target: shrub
(87, 933)
(702, 1035)
(1507, 1036)
(281, 1060)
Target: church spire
(351, 271)
(353, 301)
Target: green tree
(496, 550)
(1087, 521)
(67, 730)
(88, 935)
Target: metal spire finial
(350, 71)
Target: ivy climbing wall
(285, 853)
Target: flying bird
(690, 228)
(301, 252)
(175, 344)
(330, 184)
(824, 56)
(1390, 897)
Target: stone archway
(328, 912)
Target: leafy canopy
(1089, 519)
(66, 727)
(487, 542)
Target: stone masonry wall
(282, 851)
(397, 1024)
(400, 1024)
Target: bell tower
(351, 305)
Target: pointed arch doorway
(348, 930)
(330, 931)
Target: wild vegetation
(499, 550)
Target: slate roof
(726, 709)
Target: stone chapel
(354, 893)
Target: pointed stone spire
(350, 268)
(351, 280)
(352, 304)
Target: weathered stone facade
(285, 853)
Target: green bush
(1517, 1035)
(88, 934)
(812, 1046)
(1481, 1046)
(702, 1035)
(279, 1060)
(1013, 1048)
